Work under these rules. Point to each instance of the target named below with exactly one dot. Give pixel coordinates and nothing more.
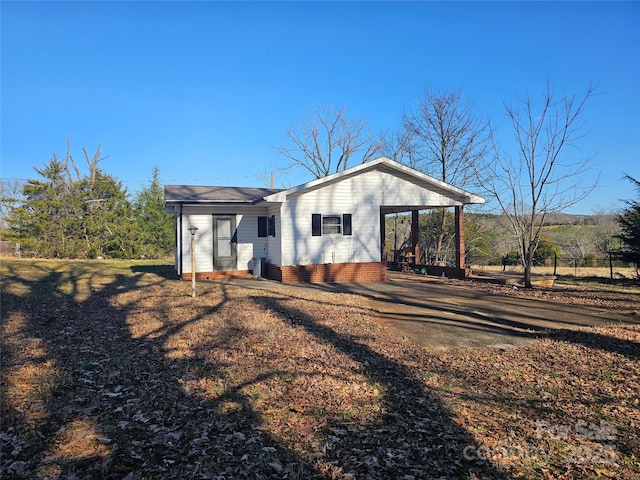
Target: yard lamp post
(192, 231)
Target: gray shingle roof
(203, 194)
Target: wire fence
(589, 265)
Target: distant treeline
(577, 238)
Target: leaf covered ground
(114, 371)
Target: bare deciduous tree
(91, 163)
(327, 141)
(606, 229)
(400, 146)
(444, 138)
(543, 177)
(447, 137)
(10, 196)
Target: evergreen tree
(38, 222)
(546, 248)
(629, 221)
(154, 224)
(63, 215)
(109, 223)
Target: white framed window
(331, 224)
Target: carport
(460, 270)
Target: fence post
(555, 263)
(610, 266)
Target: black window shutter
(346, 224)
(316, 224)
(262, 226)
(272, 225)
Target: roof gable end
(381, 164)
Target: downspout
(180, 240)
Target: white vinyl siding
(273, 252)
(203, 240)
(389, 190)
(348, 196)
(248, 244)
(361, 196)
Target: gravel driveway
(439, 313)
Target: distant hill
(552, 218)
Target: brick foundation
(218, 275)
(323, 273)
(329, 273)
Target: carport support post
(459, 237)
(383, 238)
(415, 236)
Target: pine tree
(629, 221)
(154, 224)
(67, 215)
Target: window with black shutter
(346, 224)
(262, 227)
(316, 224)
(272, 225)
(331, 224)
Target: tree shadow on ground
(114, 404)
(617, 281)
(164, 271)
(110, 400)
(414, 437)
(488, 315)
(598, 341)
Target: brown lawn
(111, 370)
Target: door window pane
(223, 229)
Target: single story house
(330, 229)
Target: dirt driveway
(440, 314)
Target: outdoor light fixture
(192, 231)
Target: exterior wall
(345, 197)
(389, 190)
(248, 243)
(201, 218)
(273, 254)
(361, 196)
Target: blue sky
(205, 90)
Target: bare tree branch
(448, 140)
(546, 178)
(443, 137)
(326, 142)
